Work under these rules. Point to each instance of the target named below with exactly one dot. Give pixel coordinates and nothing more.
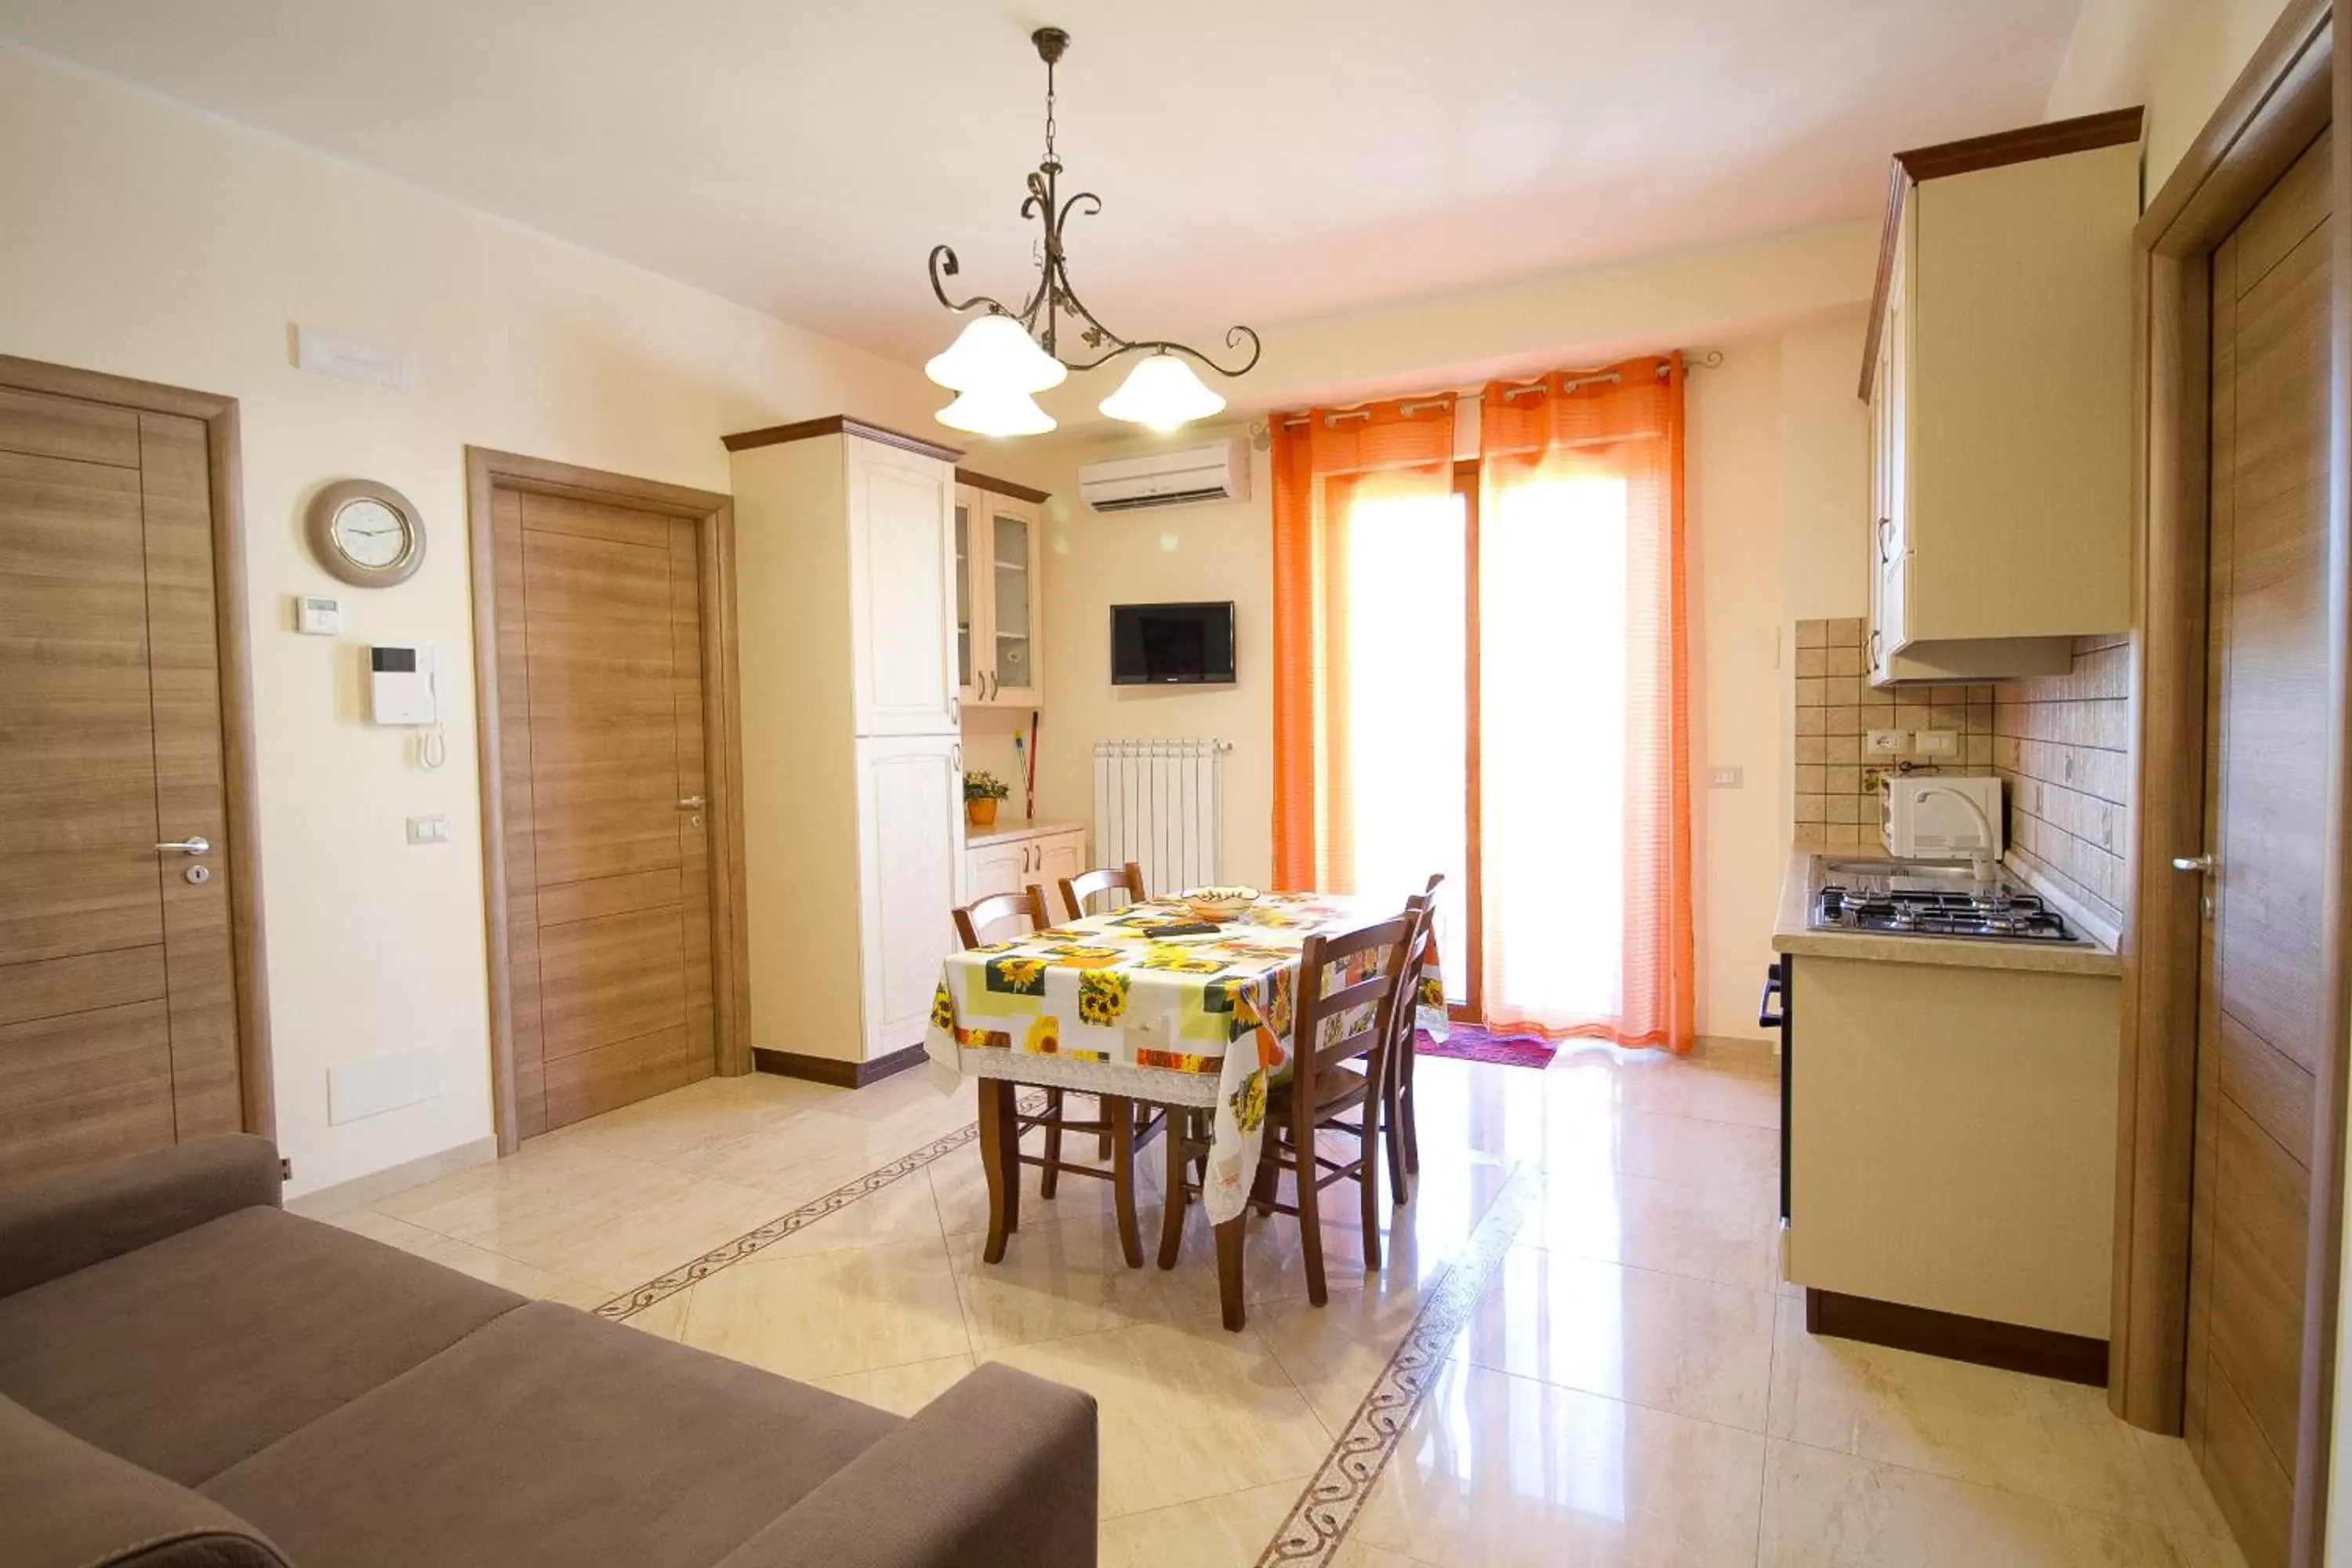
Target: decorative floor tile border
(1318, 1522)
(629, 1303)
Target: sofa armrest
(70, 1505)
(997, 1472)
(52, 1227)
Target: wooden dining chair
(1077, 889)
(975, 921)
(1329, 1079)
(1404, 1132)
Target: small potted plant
(981, 791)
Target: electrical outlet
(1726, 778)
(1883, 742)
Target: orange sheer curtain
(1326, 464)
(1584, 733)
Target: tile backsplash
(2059, 743)
(1837, 785)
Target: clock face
(370, 533)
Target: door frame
(249, 954)
(713, 517)
(2289, 93)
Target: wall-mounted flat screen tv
(1172, 645)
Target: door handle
(690, 802)
(1766, 1018)
(1883, 525)
(2199, 863)
(191, 845)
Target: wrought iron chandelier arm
(1234, 338)
(945, 266)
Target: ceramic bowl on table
(1219, 905)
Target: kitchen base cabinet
(1950, 1136)
(1016, 855)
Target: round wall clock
(366, 533)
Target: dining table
(1109, 1005)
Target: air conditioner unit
(1186, 477)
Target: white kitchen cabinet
(902, 567)
(911, 877)
(1999, 378)
(999, 576)
(1016, 855)
(852, 789)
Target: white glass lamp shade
(1163, 393)
(994, 413)
(995, 355)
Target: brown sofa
(190, 1376)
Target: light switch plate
(1726, 778)
(1883, 742)
(1937, 742)
(428, 829)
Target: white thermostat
(318, 617)
(400, 683)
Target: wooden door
(118, 1025)
(606, 786)
(2258, 1044)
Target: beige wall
(2177, 57)
(148, 240)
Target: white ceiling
(1259, 159)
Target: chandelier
(1005, 356)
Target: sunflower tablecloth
(1097, 1006)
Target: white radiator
(1160, 804)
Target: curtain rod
(1710, 359)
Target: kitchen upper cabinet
(1999, 375)
(902, 567)
(1000, 603)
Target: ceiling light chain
(997, 374)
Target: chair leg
(1367, 1181)
(1120, 1114)
(1000, 1151)
(1405, 1102)
(1229, 1271)
(1267, 1186)
(1104, 1146)
(1172, 1212)
(1392, 1141)
(1052, 1177)
(1311, 1218)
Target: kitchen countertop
(1789, 934)
(1011, 828)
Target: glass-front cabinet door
(1013, 568)
(998, 602)
(964, 597)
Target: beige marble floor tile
(1726, 1234)
(1069, 1276)
(903, 1211)
(512, 1274)
(831, 1313)
(1495, 1471)
(1227, 1532)
(1690, 1346)
(1670, 1087)
(1333, 1352)
(2030, 1435)
(960, 1186)
(1187, 1410)
(801, 1157)
(666, 1318)
(1836, 1510)
(620, 1239)
(2180, 1487)
(900, 1390)
(710, 1111)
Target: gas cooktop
(1899, 905)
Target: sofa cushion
(196, 1351)
(68, 1505)
(550, 1437)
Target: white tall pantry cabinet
(854, 842)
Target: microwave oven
(1941, 817)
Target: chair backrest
(1423, 909)
(1077, 889)
(1381, 949)
(980, 914)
